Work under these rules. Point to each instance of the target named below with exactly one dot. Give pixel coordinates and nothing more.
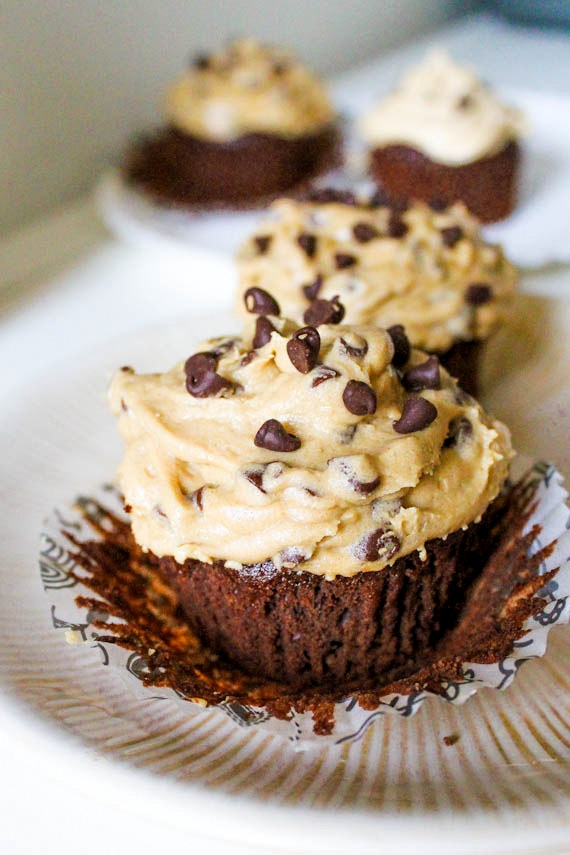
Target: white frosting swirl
(445, 111)
(200, 488)
(249, 88)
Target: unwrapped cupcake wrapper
(81, 523)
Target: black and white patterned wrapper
(551, 513)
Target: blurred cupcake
(427, 270)
(242, 125)
(442, 136)
(314, 496)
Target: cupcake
(443, 135)
(242, 125)
(427, 270)
(317, 498)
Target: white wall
(77, 78)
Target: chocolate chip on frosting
(308, 243)
(343, 260)
(324, 312)
(478, 293)
(255, 477)
(324, 373)
(401, 344)
(260, 302)
(263, 330)
(311, 291)
(273, 436)
(359, 398)
(423, 376)
(202, 381)
(364, 232)
(451, 235)
(417, 414)
(397, 228)
(379, 544)
(458, 432)
(262, 243)
(303, 349)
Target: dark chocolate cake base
(486, 186)
(181, 170)
(462, 361)
(302, 629)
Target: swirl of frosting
(445, 111)
(248, 88)
(333, 469)
(417, 268)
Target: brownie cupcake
(443, 135)
(430, 271)
(315, 497)
(242, 125)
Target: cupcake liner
(89, 520)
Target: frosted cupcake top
(331, 449)
(429, 270)
(445, 111)
(248, 88)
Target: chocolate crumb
(452, 739)
(324, 312)
(417, 414)
(308, 243)
(478, 293)
(273, 436)
(401, 345)
(364, 232)
(127, 508)
(359, 398)
(260, 302)
(423, 376)
(263, 330)
(451, 235)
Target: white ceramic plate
(536, 234)
(504, 786)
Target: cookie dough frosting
(248, 88)
(331, 449)
(445, 111)
(430, 270)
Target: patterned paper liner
(59, 568)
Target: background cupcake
(442, 135)
(300, 490)
(246, 123)
(428, 270)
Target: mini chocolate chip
(417, 414)
(259, 302)
(311, 291)
(379, 544)
(478, 293)
(423, 376)
(397, 228)
(308, 243)
(280, 68)
(451, 235)
(247, 358)
(438, 203)
(273, 436)
(324, 312)
(324, 373)
(346, 435)
(222, 347)
(364, 232)
(344, 260)
(255, 477)
(356, 351)
(201, 378)
(365, 487)
(263, 330)
(127, 369)
(127, 508)
(201, 62)
(197, 497)
(359, 398)
(401, 345)
(262, 242)
(465, 102)
(459, 430)
(303, 349)
(329, 195)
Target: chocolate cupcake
(427, 270)
(242, 125)
(442, 135)
(315, 497)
